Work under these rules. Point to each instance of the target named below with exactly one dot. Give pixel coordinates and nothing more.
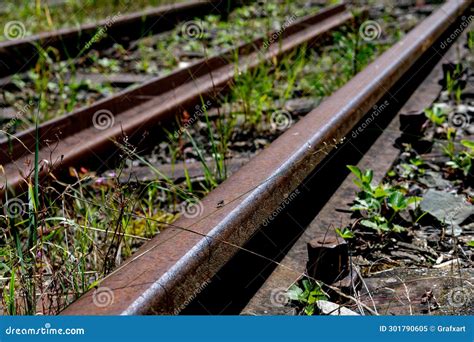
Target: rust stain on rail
(159, 99)
(169, 270)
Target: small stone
(390, 280)
(333, 309)
(448, 263)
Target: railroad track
(17, 55)
(212, 74)
(170, 270)
(194, 260)
(323, 253)
(133, 111)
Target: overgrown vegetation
(39, 16)
(420, 216)
(380, 205)
(306, 295)
(68, 89)
(90, 225)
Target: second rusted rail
(169, 270)
(78, 137)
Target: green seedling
(436, 115)
(379, 205)
(108, 65)
(413, 169)
(458, 96)
(345, 233)
(463, 160)
(308, 295)
(449, 148)
(452, 81)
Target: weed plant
(74, 234)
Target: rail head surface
(169, 270)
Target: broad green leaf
(368, 176)
(397, 201)
(307, 285)
(369, 224)
(374, 225)
(357, 207)
(294, 293)
(345, 233)
(311, 299)
(468, 143)
(380, 192)
(358, 183)
(416, 161)
(355, 170)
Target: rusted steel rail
(135, 111)
(380, 158)
(19, 54)
(170, 269)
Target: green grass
(38, 17)
(304, 73)
(66, 93)
(90, 226)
